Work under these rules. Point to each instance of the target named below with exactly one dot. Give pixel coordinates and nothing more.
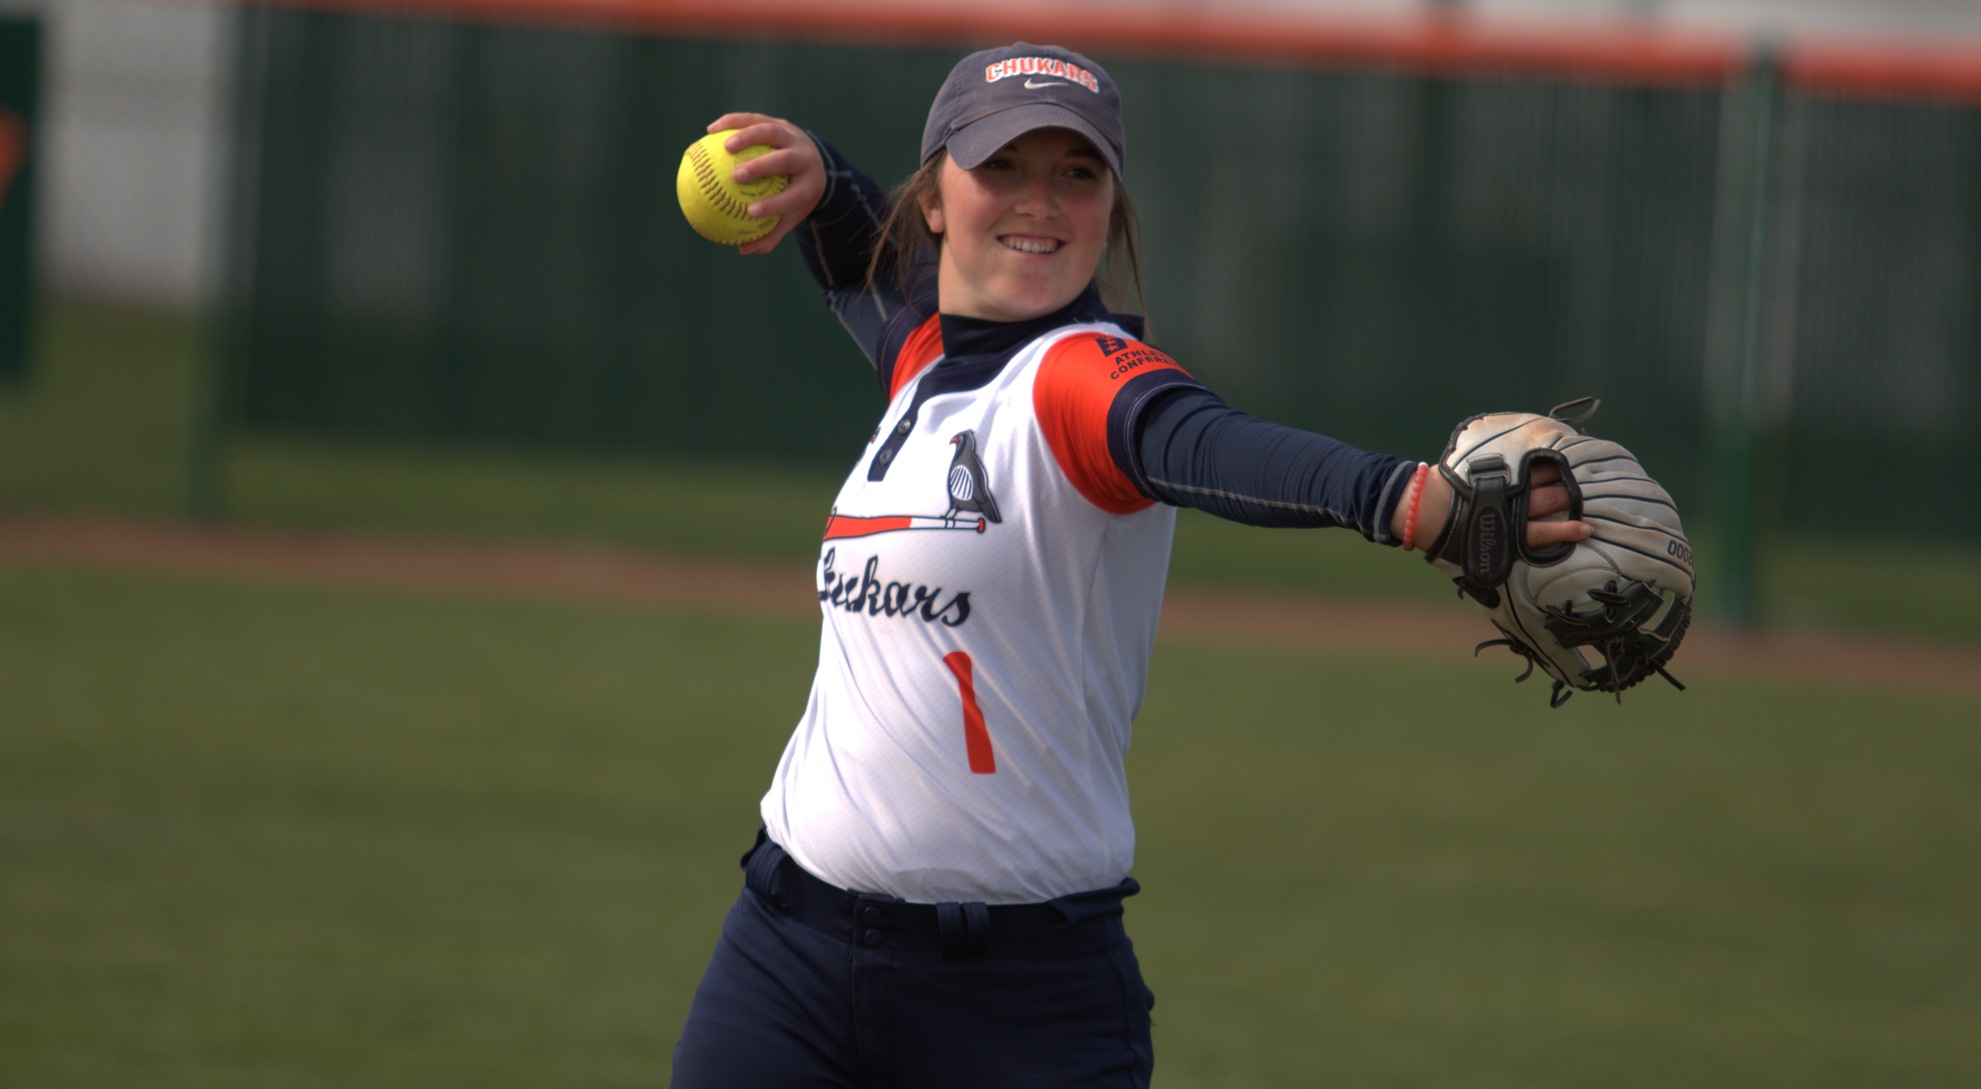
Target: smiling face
(1022, 233)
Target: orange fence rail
(1616, 52)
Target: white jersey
(990, 583)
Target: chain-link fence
(466, 231)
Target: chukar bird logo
(969, 493)
(969, 488)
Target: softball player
(935, 899)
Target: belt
(1081, 924)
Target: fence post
(214, 378)
(1741, 241)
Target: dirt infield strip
(599, 575)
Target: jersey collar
(968, 341)
(975, 352)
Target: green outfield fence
(455, 222)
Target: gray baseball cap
(995, 96)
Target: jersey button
(886, 456)
(870, 914)
(905, 427)
(870, 937)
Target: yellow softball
(716, 206)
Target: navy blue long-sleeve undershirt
(1197, 451)
(1185, 446)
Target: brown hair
(905, 236)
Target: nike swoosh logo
(1033, 86)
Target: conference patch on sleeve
(1074, 398)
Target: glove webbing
(1631, 653)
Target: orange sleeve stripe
(1072, 397)
(922, 348)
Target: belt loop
(965, 929)
(762, 873)
(977, 921)
(953, 930)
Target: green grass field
(262, 835)
(266, 835)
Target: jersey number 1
(976, 736)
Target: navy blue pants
(814, 987)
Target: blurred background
(431, 234)
(404, 523)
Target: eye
(995, 162)
(1082, 173)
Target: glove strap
(1487, 552)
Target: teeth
(1031, 245)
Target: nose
(1036, 197)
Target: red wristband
(1416, 500)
